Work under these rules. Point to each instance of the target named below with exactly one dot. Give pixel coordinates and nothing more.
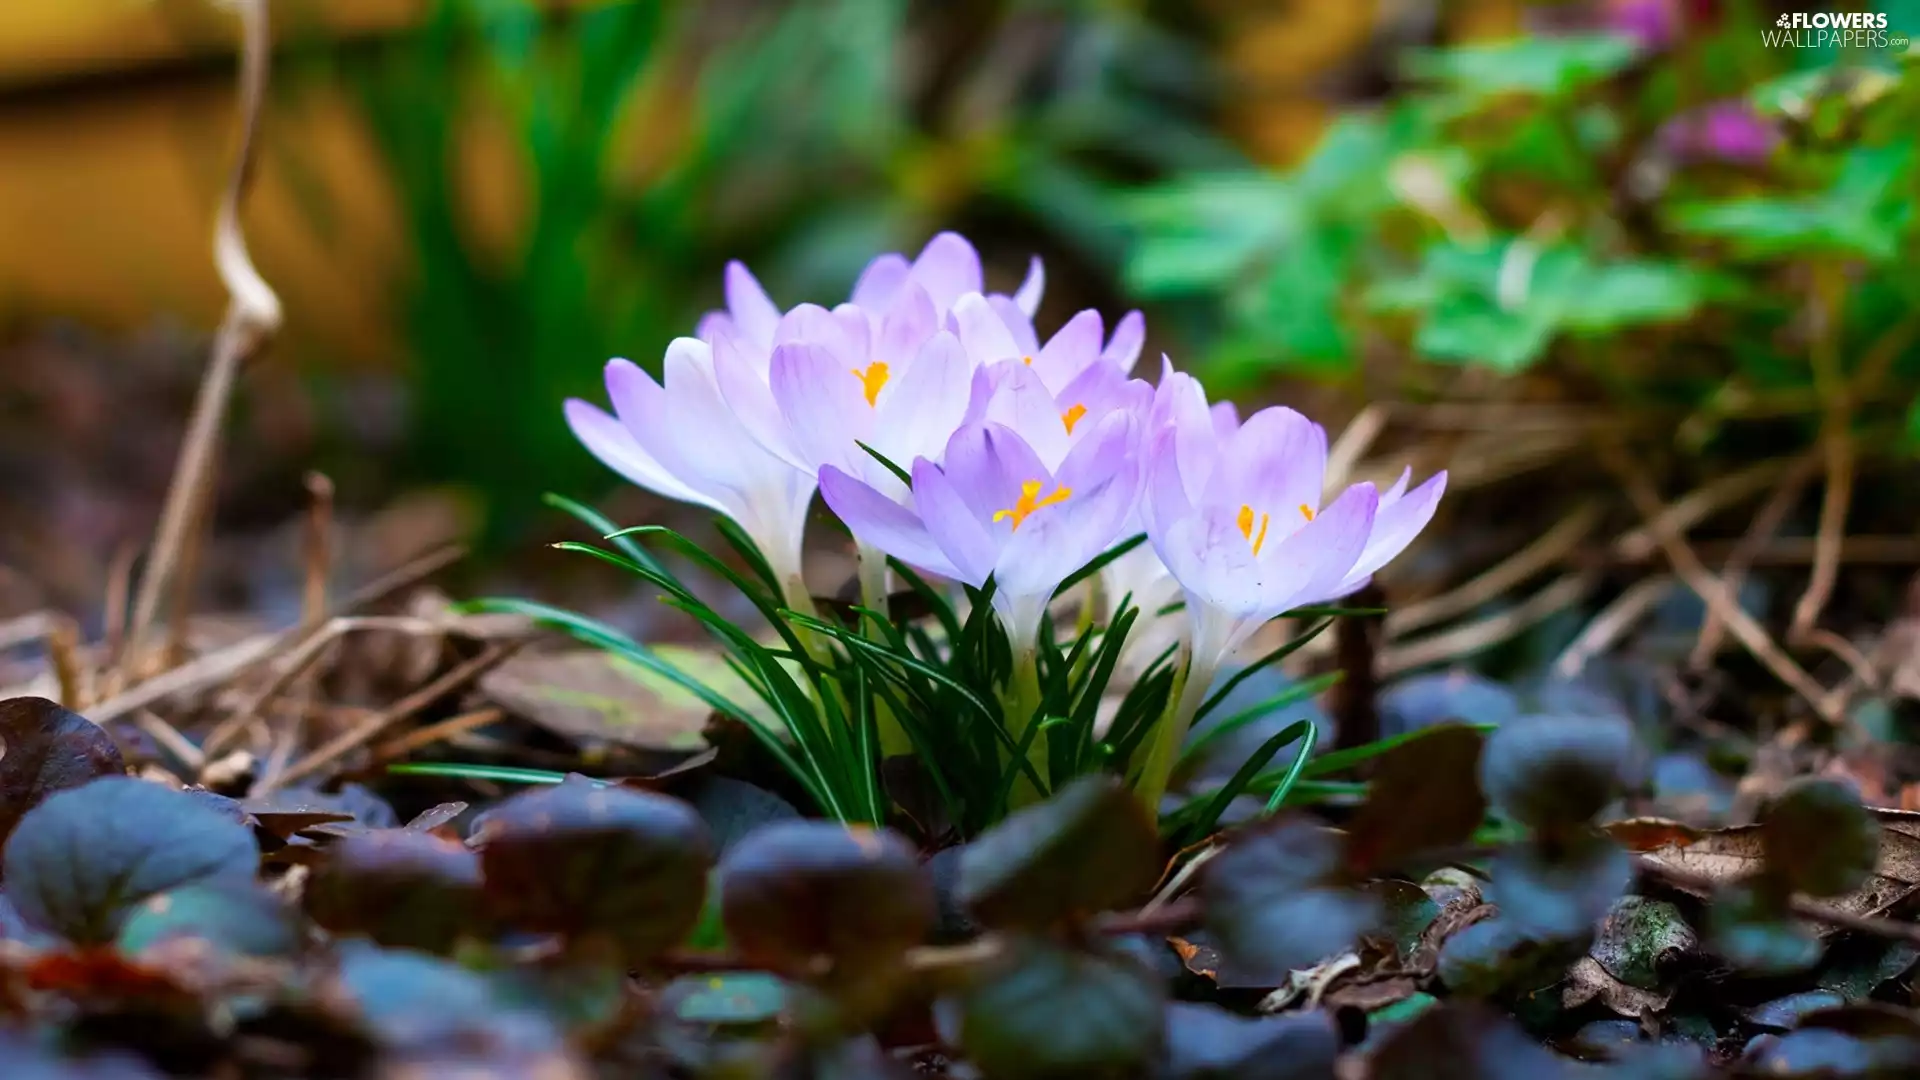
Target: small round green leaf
(625, 866)
(1092, 847)
(796, 890)
(401, 888)
(1047, 1012)
(1557, 771)
(1819, 839)
(236, 917)
(80, 861)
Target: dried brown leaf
(1725, 855)
(1587, 981)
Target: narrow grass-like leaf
(1274, 657)
(605, 529)
(1341, 760)
(1214, 805)
(1289, 696)
(1099, 563)
(463, 771)
(1291, 776)
(750, 551)
(905, 476)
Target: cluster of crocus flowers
(939, 426)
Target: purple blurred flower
(683, 441)
(1730, 131)
(1655, 24)
(995, 509)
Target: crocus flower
(684, 442)
(1015, 395)
(1239, 522)
(995, 509)
(993, 330)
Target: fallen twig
(1711, 590)
(1773, 513)
(1614, 620)
(400, 710)
(1696, 506)
(1470, 638)
(253, 315)
(1551, 547)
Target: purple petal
(708, 446)
(1024, 339)
(1395, 526)
(1165, 500)
(824, 403)
(1226, 420)
(964, 538)
(925, 404)
(814, 325)
(713, 324)
(1054, 541)
(948, 268)
(982, 331)
(879, 283)
(1277, 464)
(987, 464)
(753, 312)
(1072, 349)
(643, 408)
(880, 522)
(1028, 295)
(1129, 334)
(747, 393)
(907, 325)
(609, 440)
(1020, 401)
(1309, 566)
(857, 330)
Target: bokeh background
(1631, 212)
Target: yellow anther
(1306, 511)
(1027, 360)
(872, 380)
(1030, 500)
(1245, 521)
(1072, 416)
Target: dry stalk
(1766, 523)
(253, 315)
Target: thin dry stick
(319, 551)
(1698, 505)
(197, 674)
(253, 315)
(1353, 443)
(309, 650)
(1711, 590)
(433, 733)
(1773, 514)
(63, 649)
(22, 629)
(1614, 620)
(114, 618)
(1813, 910)
(170, 739)
(370, 728)
(1838, 448)
(1551, 547)
(1473, 637)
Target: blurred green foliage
(801, 138)
(1700, 223)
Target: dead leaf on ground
(1725, 855)
(43, 749)
(1588, 981)
(590, 696)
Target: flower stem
(873, 596)
(1022, 707)
(1190, 688)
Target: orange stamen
(872, 380)
(1306, 511)
(1030, 500)
(1072, 416)
(1245, 521)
